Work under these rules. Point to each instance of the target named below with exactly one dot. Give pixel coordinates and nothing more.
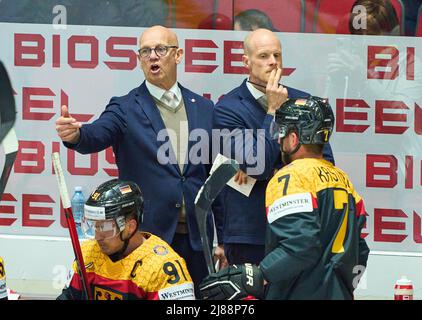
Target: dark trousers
(195, 260)
(239, 253)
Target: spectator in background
(353, 74)
(381, 18)
(252, 19)
(346, 62)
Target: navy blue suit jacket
(130, 124)
(245, 220)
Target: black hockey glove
(233, 283)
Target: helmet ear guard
(121, 222)
(312, 118)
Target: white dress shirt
(158, 92)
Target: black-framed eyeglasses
(160, 51)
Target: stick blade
(204, 199)
(215, 183)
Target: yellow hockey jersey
(3, 288)
(153, 271)
(314, 247)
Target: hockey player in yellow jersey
(3, 288)
(314, 248)
(121, 262)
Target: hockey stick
(7, 103)
(204, 199)
(64, 195)
(7, 133)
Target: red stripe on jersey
(122, 286)
(76, 282)
(152, 296)
(360, 211)
(360, 208)
(314, 202)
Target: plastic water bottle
(403, 290)
(77, 202)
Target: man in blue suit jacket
(140, 127)
(248, 112)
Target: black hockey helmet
(116, 198)
(108, 206)
(312, 118)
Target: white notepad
(244, 188)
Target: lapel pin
(192, 100)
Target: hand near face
(275, 92)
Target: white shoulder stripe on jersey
(294, 203)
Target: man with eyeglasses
(121, 262)
(148, 129)
(251, 108)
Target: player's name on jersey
(327, 175)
